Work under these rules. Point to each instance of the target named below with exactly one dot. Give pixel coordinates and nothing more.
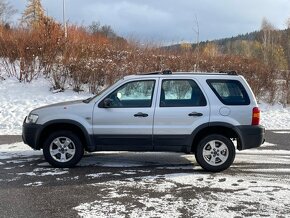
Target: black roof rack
(229, 72)
(164, 72)
(169, 72)
(151, 73)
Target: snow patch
(45, 172)
(8, 151)
(208, 194)
(282, 132)
(21, 160)
(67, 178)
(129, 172)
(53, 173)
(97, 175)
(34, 184)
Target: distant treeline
(268, 46)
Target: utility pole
(63, 17)
(196, 30)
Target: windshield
(98, 94)
(95, 96)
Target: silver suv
(202, 113)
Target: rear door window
(181, 93)
(229, 92)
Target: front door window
(134, 94)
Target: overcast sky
(170, 21)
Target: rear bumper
(30, 133)
(250, 136)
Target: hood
(61, 104)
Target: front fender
(54, 123)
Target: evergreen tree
(33, 13)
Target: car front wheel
(63, 149)
(215, 153)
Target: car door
(123, 120)
(181, 107)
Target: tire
(63, 149)
(210, 156)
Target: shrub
(95, 60)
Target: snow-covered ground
(17, 99)
(275, 117)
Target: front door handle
(140, 114)
(195, 114)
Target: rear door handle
(195, 114)
(140, 114)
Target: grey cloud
(171, 20)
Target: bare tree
(267, 38)
(286, 73)
(94, 28)
(6, 12)
(108, 31)
(196, 30)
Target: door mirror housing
(107, 102)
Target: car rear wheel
(215, 153)
(63, 149)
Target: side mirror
(108, 102)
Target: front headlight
(32, 118)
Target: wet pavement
(129, 184)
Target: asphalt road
(147, 184)
(8, 139)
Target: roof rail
(229, 72)
(164, 72)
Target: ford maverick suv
(208, 114)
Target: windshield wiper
(87, 100)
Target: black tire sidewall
(78, 146)
(206, 166)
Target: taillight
(256, 116)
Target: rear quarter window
(229, 92)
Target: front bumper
(30, 134)
(250, 136)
